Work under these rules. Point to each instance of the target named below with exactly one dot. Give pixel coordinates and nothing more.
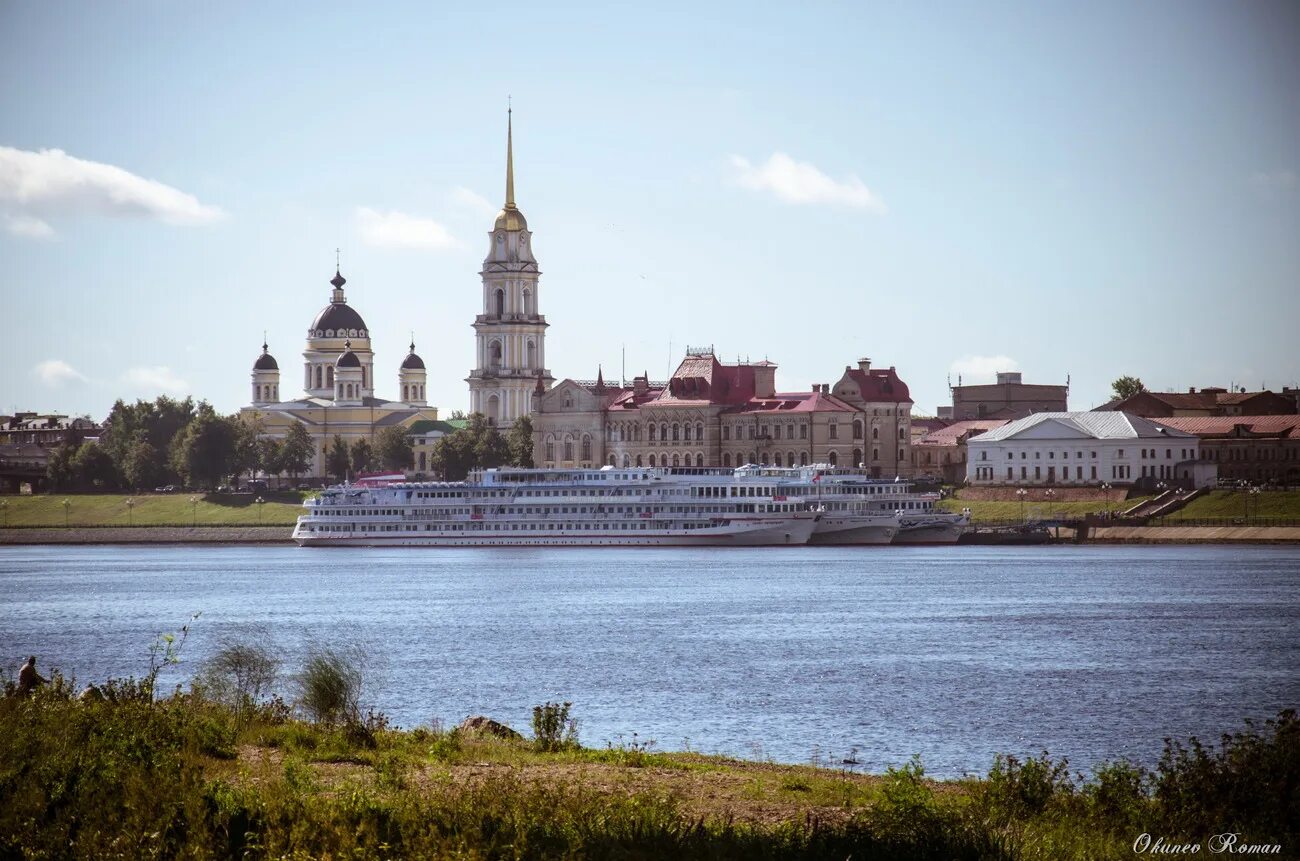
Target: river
(792, 654)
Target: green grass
(1035, 510)
(1232, 503)
(151, 509)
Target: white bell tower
(510, 333)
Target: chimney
(640, 385)
(816, 388)
(864, 364)
(1191, 390)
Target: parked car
(304, 486)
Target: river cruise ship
(540, 507)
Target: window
(500, 302)
(835, 431)
(699, 431)
(1008, 473)
(875, 433)
(726, 432)
(857, 429)
(550, 449)
(789, 432)
(586, 447)
(984, 455)
(699, 460)
(652, 432)
(857, 458)
(686, 432)
(803, 431)
(677, 434)
(834, 458)
(726, 458)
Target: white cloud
(27, 227)
(399, 230)
(56, 372)
(155, 378)
(982, 369)
(52, 183)
(472, 200)
(802, 183)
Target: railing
(1256, 520)
(509, 318)
(528, 373)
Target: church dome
(348, 359)
(265, 362)
(338, 319)
(412, 362)
(510, 218)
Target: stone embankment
(1194, 535)
(149, 535)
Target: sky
(1075, 191)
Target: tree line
(179, 442)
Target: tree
(157, 422)
(143, 467)
(58, 469)
(363, 456)
(297, 450)
(268, 456)
(204, 453)
(457, 415)
(93, 469)
(248, 451)
(1127, 387)
(393, 448)
(519, 442)
(339, 461)
(478, 444)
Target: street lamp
(1105, 488)
(260, 502)
(1050, 494)
(4, 506)
(1022, 493)
(66, 505)
(130, 507)
(194, 511)
(1254, 491)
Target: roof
(702, 378)
(953, 433)
(424, 426)
(412, 362)
(1090, 425)
(879, 384)
(1206, 400)
(265, 362)
(1203, 426)
(340, 319)
(792, 402)
(348, 359)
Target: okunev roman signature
(1227, 843)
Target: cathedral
(338, 383)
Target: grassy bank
(152, 509)
(1234, 503)
(1034, 510)
(188, 777)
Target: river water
(793, 654)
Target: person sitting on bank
(28, 679)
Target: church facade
(338, 385)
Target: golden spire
(510, 157)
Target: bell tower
(510, 354)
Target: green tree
(268, 456)
(1127, 387)
(58, 468)
(143, 467)
(297, 450)
(204, 453)
(157, 422)
(93, 469)
(339, 461)
(393, 448)
(478, 444)
(248, 452)
(519, 442)
(363, 456)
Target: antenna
(622, 371)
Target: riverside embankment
(148, 535)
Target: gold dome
(510, 218)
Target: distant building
(26, 440)
(941, 453)
(712, 413)
(1086, 449)
(1206, 402)
(1256, 449)
(1009, 398)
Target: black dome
(412, 362)
(339, 318)
(265, 362)
(348, 360)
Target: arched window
(532, 355)
(726, 432)
(834, 459)
(803, 458)
(875, 454)
(568, 447)
(652, 432)
(500, 302)
(677, 433)
(663, 432)
(586, 447)
(699, 460)
(902, 432)
(422, 462)
(627, 461)
(493, 409)
(857, 428)
(699, 432)
(676, 461)
(406, 393)
(638, 460)
(611, 461)
(726, 458)
(753, 457)
(686, 433)
(875, 433)
(652, 460)
(319, 376)
(550, 448)
(857, 457)
(494, 355)
(528, 301)
(776, 459)
(789, 458)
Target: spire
(600, 379)
(412, 341)
(263, 340)
(510, 158)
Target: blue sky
(1087, 190)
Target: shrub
(239, 675)
(553, 729)
(1016, 788)
(330, 687)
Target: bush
(330, 687)
(553, 729)
(1017, 788)
(239, 675)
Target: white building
(1083, 449)
(510, 335)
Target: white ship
(541, 507)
